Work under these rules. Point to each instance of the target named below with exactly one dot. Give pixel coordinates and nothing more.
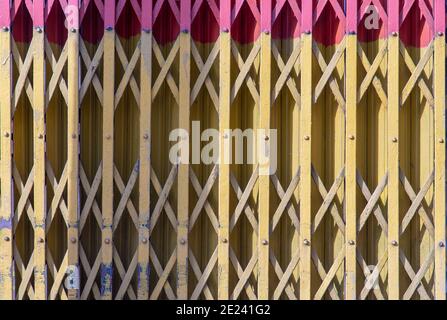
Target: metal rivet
(108, 137)
(41, 240)
(73, 30)
(145, 136)
(146, 30)
(394, 140)
(5, 29)
(441, 140)
(224, 240)
(6, 238)
(73, 240)
(351, 242)
(441, 244)
(109, 28)
(394, 34)
(182, 241)
(144, 240)
(39, 30)
(351, 137)
(225, 30)
(351, 32)
(74, 135)
(185, 30)
(107, 241)
(40, 136)
(307, 138)
(264, 242)
(440, 33)
(266, 138)
(394, 243)
(307, 32)
(6, 134)
(306, 242)
(266, 32)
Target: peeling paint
(106, 279)
(143, 270)
(5, 223)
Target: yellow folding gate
(92, 207)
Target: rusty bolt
(224, 240)
(441, 140)
(40, 136)
(73, 240)
(6, 238)
(266, 138)
(307, 138)
(394, 140)
(351, 242)
(144, 240)
(394, 243)
(107, 241)
(351, 137)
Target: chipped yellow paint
(440, 150)
(40, 208)
(145, 163)
(108, 163)
(183, 171)
(305, 161)
(224, 166)
(393, 167)
(73, 154)
(264, 167)
(351, 166)
(6, 205)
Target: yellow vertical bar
(264, 166)
(305, 154)
(73, 149)
(40, 273)
(145, 149)
(224, 167)
(351, 149)
(107, 151)
(393, 150)
(439, 205)
(7, 197)
(183, 172)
